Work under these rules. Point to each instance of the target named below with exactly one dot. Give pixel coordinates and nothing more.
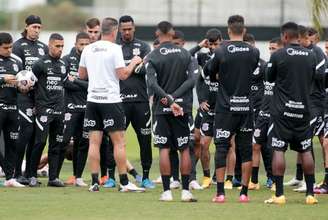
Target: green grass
(77, 203)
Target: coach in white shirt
(103, 65)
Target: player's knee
(220, 156)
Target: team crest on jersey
(257, 132)
(136, 51)
(63, 69)
(43, 118)
(68, 116)
(41, 51)
(205, 126)
(29, 112)
(15, 67)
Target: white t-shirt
(101, 59)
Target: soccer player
(314, 36)
(103, 65)
(134, 95)
(293, 69)
(92, 28)
(75, 104)
(8, 108)
(29, 49)
(233, 111)
(170, 74)
(49, 103)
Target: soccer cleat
(322, 189)
(139, 179)
(293, 182)
(301, 188)
(206, 182)
(236, 182)
(70, 181)
(22, 180)
(269, 183)
(94, 188)
(166, 196)
(158, 180)
(56, 183)
(13, 183)
(79, 182)
(186, 196)
(218, 199)
(34, 182)
(147, 184)
(130, 187)
(253, 186)
(243, 199)
(276, 200)
(273, 188)
(194, 185)
(228, 184)
(311, 200)
(103, 179)
(110, 183)
(175, 184)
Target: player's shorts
(107, 117)
(326, 126)
(260, 134)
(296, 133)
(317, 122)
(171, 132)
(207, 124)
(198, 118)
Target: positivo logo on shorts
(160, 140)
(182, 141)
(89, 123)
(108, 123)
(278, 143)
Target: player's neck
(109, 38)
(234, 37)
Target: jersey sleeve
(271, 71)
(212, 67)
(37, 68)
(83, 59)
(17, 50)
(320, 69)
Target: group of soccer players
(88, 98)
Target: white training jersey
(101, 59)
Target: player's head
(127, 28)
(56, 45)
(82, 39)
(214, 38)
(33, 27)
(179, 38)
(249, 38)
(6, 44)
(275, 44)
(236, 25)
(314, 35)
(289, 32)
(92, 27)
(156, 43)
(303, 36)
(109, 28)
(165, 31)
(326, 46)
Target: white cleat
(186, 196)
(301, 189)
(293, 182)
(158, 180)
(79, 182)
(175, 184)
(13, 183)
(130, 187)
(194, 185)
(166, 196)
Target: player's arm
(212, 67)
(197, 48)
(17, 51)
(320, 68)
(141, 69)
(271, 71)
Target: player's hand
(136, 60)
(176, 110)
(71, 78)
(204, 106)
(23, 90)
(164, 101)
(10, 79)
(203, 43)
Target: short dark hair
(303, 31)
(108, 25)
(5, 38)
(164, 27)
(291, 29)
(236, 24)
(249, 38)
(178, 35)
(126, 18)
(213, 35)
(312, 31)
(56, 36)
(156, 42)
(276, 40)
(92, 22)
(82, 35)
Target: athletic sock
(94, 177)
(279, 180)
(145, 174)
(244, 190)
(326, 176)
(124, 179)
(255, 175)
(111, 173)
(229, 177)
(299, 171)
(166, 182)
(207, 173)
(220, 188)
(133, 172)
(185, 182)
(309, 180)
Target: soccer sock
(220, 188)
(279, 185)
(166, 182)
(299, 171)
(309, 180)
(255, 175)
(244, 190)
(145, 174)
(207, 173)
(229, 177)
(111, 173)
(238, 177)
(326, 176)
(185, 182)
(124, 179)
(94, 177)
(133, 172)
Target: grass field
(77, 203)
